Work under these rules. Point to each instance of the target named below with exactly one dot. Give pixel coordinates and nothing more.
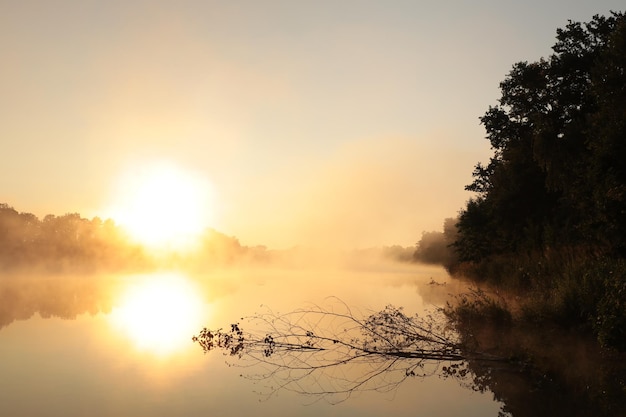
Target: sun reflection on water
(158, 313)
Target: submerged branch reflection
(332, 353)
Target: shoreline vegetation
(541, 244)
(72, 244)
(547, 223)
(568, 287)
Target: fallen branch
(332, 353)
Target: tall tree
(559, 140)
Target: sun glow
(162, 206)
(160, 313)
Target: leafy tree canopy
(557, 175)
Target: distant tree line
(437, 247)
(549, 211)
(57, 243)
(73, 243)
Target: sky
(333, 123)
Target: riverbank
(567, 288)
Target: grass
(568, 288)
(478, 305)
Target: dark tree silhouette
(549, 214)
(557, 176)
(437, 247)
(333, 353)
(70, 243)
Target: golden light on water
(160, 313)
(163, 206)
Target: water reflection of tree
(551, 372)
(64, 297)
(332, 353)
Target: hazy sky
(343, 122)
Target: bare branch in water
(332, 353)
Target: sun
(163, 206)
(159, 313)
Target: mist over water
(74, 317)
(127, 327)
(244, 162)
(67, 295)
(127, 313)
(367, 193)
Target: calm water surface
(121, 345)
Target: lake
(121, 345)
